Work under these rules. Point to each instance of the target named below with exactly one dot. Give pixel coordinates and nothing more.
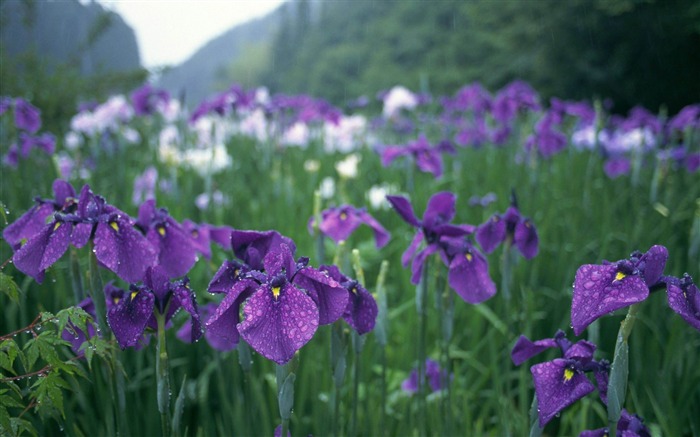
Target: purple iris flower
(684, 298)
(484, 201)
(468, 269)
(515, 97)
(546, 139)
(511, 227)
(339, 222)
(45, 142)
(201, 239)
(252, 246)
(435, 377)
(145, 186)
(76, 336)
(185, 333)
(131, 312)
(562, 381)
(361, 309)
(601, 289)
(617, 166)
(147, 100)
(629, 425)
(174, 246)
(279, 313)
(27, 116)
(117, 245)
(427, 157)
(34, 220)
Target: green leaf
(286, 397)
(617, 386)
(5, 424)
(8, 353)
(179, 408)
(8, 286)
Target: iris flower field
(482, 263)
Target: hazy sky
(169, 31)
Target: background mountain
(239, 55)
(630, 51)
(59, 53)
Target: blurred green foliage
(635, 52)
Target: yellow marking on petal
(116, 300)
(469, 256)
(568, 374)
(343, 216)
(161, 231)
(354, 290)
(57, 225)
(619, 276)
(133, 294)
(114, 226)
(276, 292)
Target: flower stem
(285, 392)
(421, 307)
(338, 364)
(163, 378)
(445, 307)
(381, 334)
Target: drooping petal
(404, 208)
(280, 260)
(361, 311)
(390, 153)
(27, 116)
(221, 235)
(632, 425)
(526, 239)
(28, 224)
(156, 280)
(412, 248)
(602, 377)
(410, 384)
(654, 262)
(330, 297)
(440, 210)
(186, 297)
(429, 161)
(448, 230)
(123, 249)
(381, 235)
(277, 326)
(469, 276)
(43, 249)
(525, 348)
(581, 351)
(81, 234)
(419, 260)
(222, 328)
(200, 237)
(601, 289)
(129, 317)
(557, 387)
(176, 253)
(684, 299)
(491, 233)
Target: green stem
(338, 364)
(163, 378)
(446, 311)
(381, 334)
(285, 392)
(421, 307)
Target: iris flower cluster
(338, 223)
(428, 158)
(276, 302)
(562, 381)
(468, 269)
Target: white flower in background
(169, 135)
(254, 125)
(170, 110)
(640, 139)
(207, 161)
(296, 135)
(115, 111)
(217, 198)
(73, 140)
(398, 98)
(347, 168)
(131, 135)
(262, 95)
(83, 122)
(210, 130)
(584, 138)
(327, 188)
(376, 196)
(345, 136)
(65, 165)
(311, 166)
(169, 154)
